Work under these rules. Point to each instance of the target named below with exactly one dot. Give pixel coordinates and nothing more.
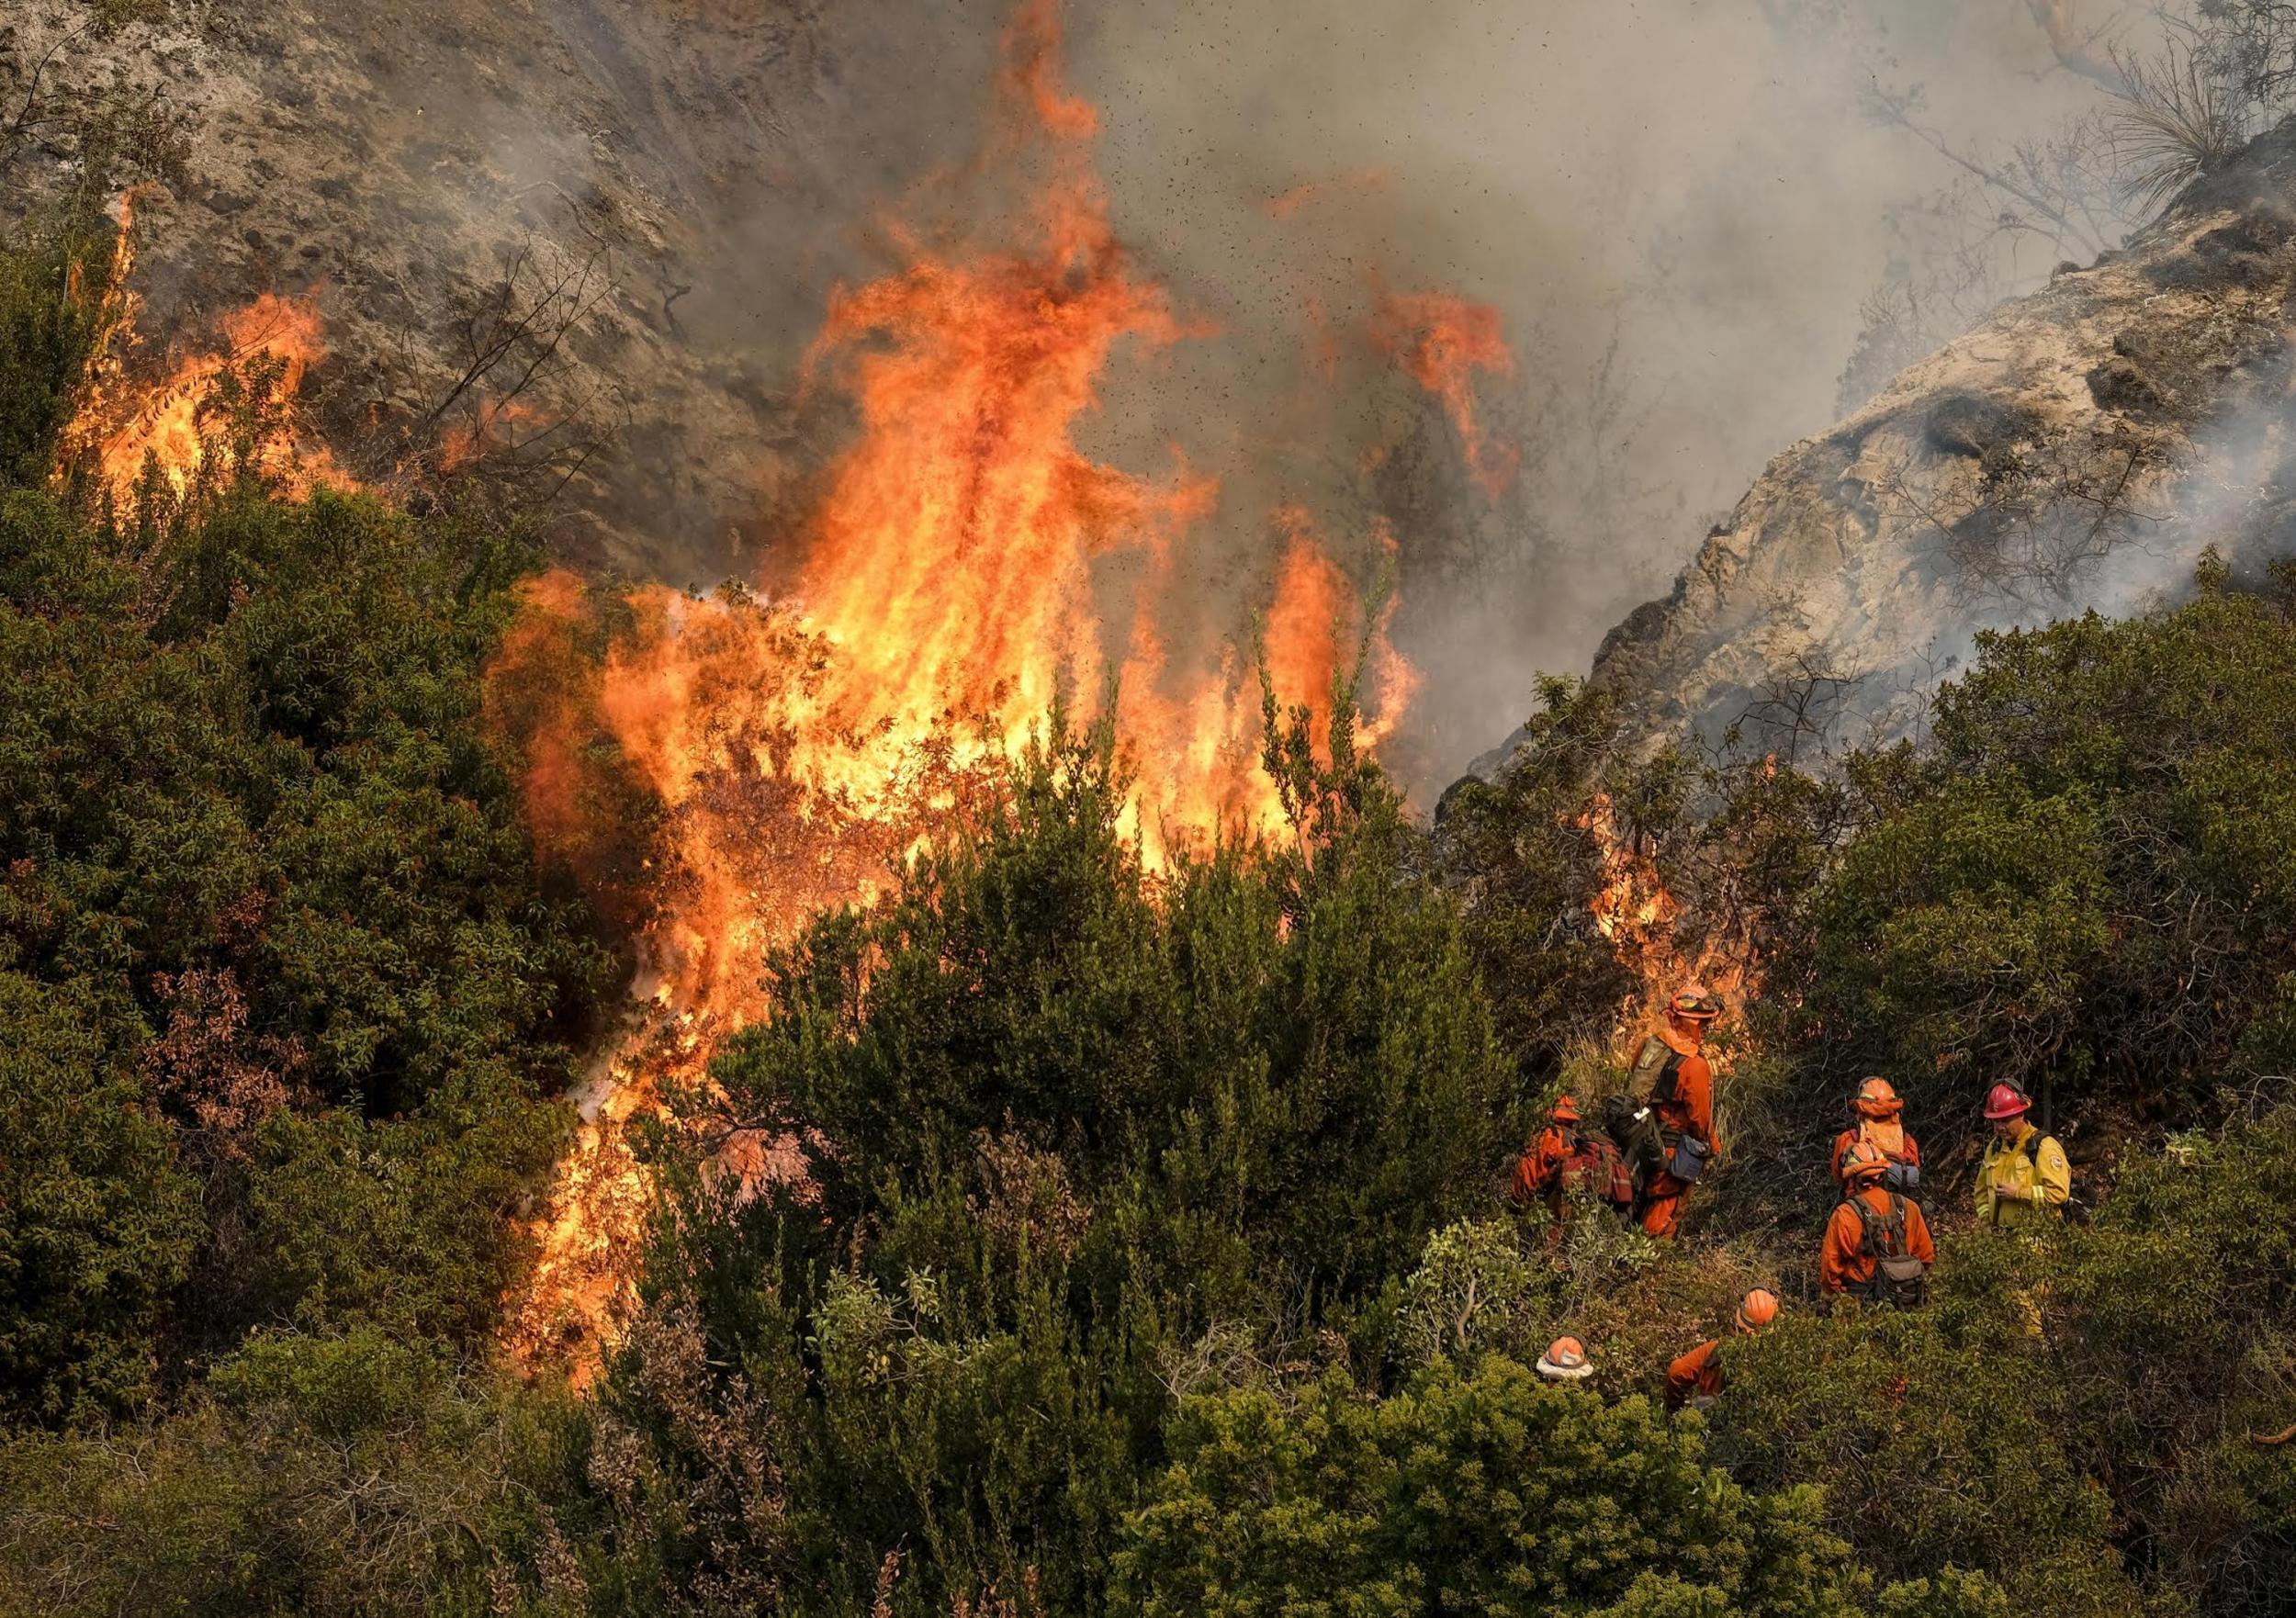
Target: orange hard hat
(1876, 1099)
(1863, 1161)
(1566, 1110)
(2005, 1101)
(1565, 1361)
(1757, 1309)
(1697, 1003)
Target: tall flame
(167, 424)
(800, 744)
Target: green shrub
(2084, 880)
(1474, 1490)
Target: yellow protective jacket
(2014, 1170)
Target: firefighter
(2025, 1176)
(1875, 1118)
(1539, 1174)
(1697, 1377)
(1877, 1246)
(1565, 1361)
(1682, 1094)
(1565, 1157)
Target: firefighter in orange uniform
(1682, 1095)
(1697, 1378)
(1565, 1157)
(1877, 1246)
(1878, 1120)
(1539, 1174)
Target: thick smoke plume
(1669, 220)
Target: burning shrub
(248, 817)
(1267, 1074)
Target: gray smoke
(1678, 207)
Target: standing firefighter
(2025, 1176)
(1697, 1377)
(1666, 1130)
(1563, 1159)
(1877, 1244)
(1875, 1118)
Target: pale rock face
(2076, 451)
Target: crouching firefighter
(1565, 1158)
(1697, 1378)
(1876, 1118)
(2025, 1176)
(1665, 1123)
(1877, 1246)
(1565, 1361)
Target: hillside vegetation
(1152, 1258)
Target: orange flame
(800, 746)
(166, 422)
(1645, 923)
(1443, 340)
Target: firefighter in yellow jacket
(2025, 1176)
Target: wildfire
(1652, 930)
(170, 422)
(1444, 341)
(956, 581)
(1632, 908)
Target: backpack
(1598, 1167)
(1654, 1079)
(1899, 1279)
(1632, 1119)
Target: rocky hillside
(2078, 449)
(541, 232)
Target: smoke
(1672, 211)
(1677, 211)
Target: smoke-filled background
(588, 246)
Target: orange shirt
(1840, 1265)
(1692, 1110)
(1542, 1164)
(1696, 1375)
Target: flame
(1443, 340)
(123, 425)
(1646, 925)
(1632, 907)
(955, 581)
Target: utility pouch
(1688, 1158)
(1904, 1282)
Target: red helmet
(1759, 1307)
(1863, 1161)
(1565, 1361)
(1876, 1099)
(1566, 1110)
(2005, 1101)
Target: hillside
(2079, 447)
(530, 1095)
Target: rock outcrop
(2078, 449)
